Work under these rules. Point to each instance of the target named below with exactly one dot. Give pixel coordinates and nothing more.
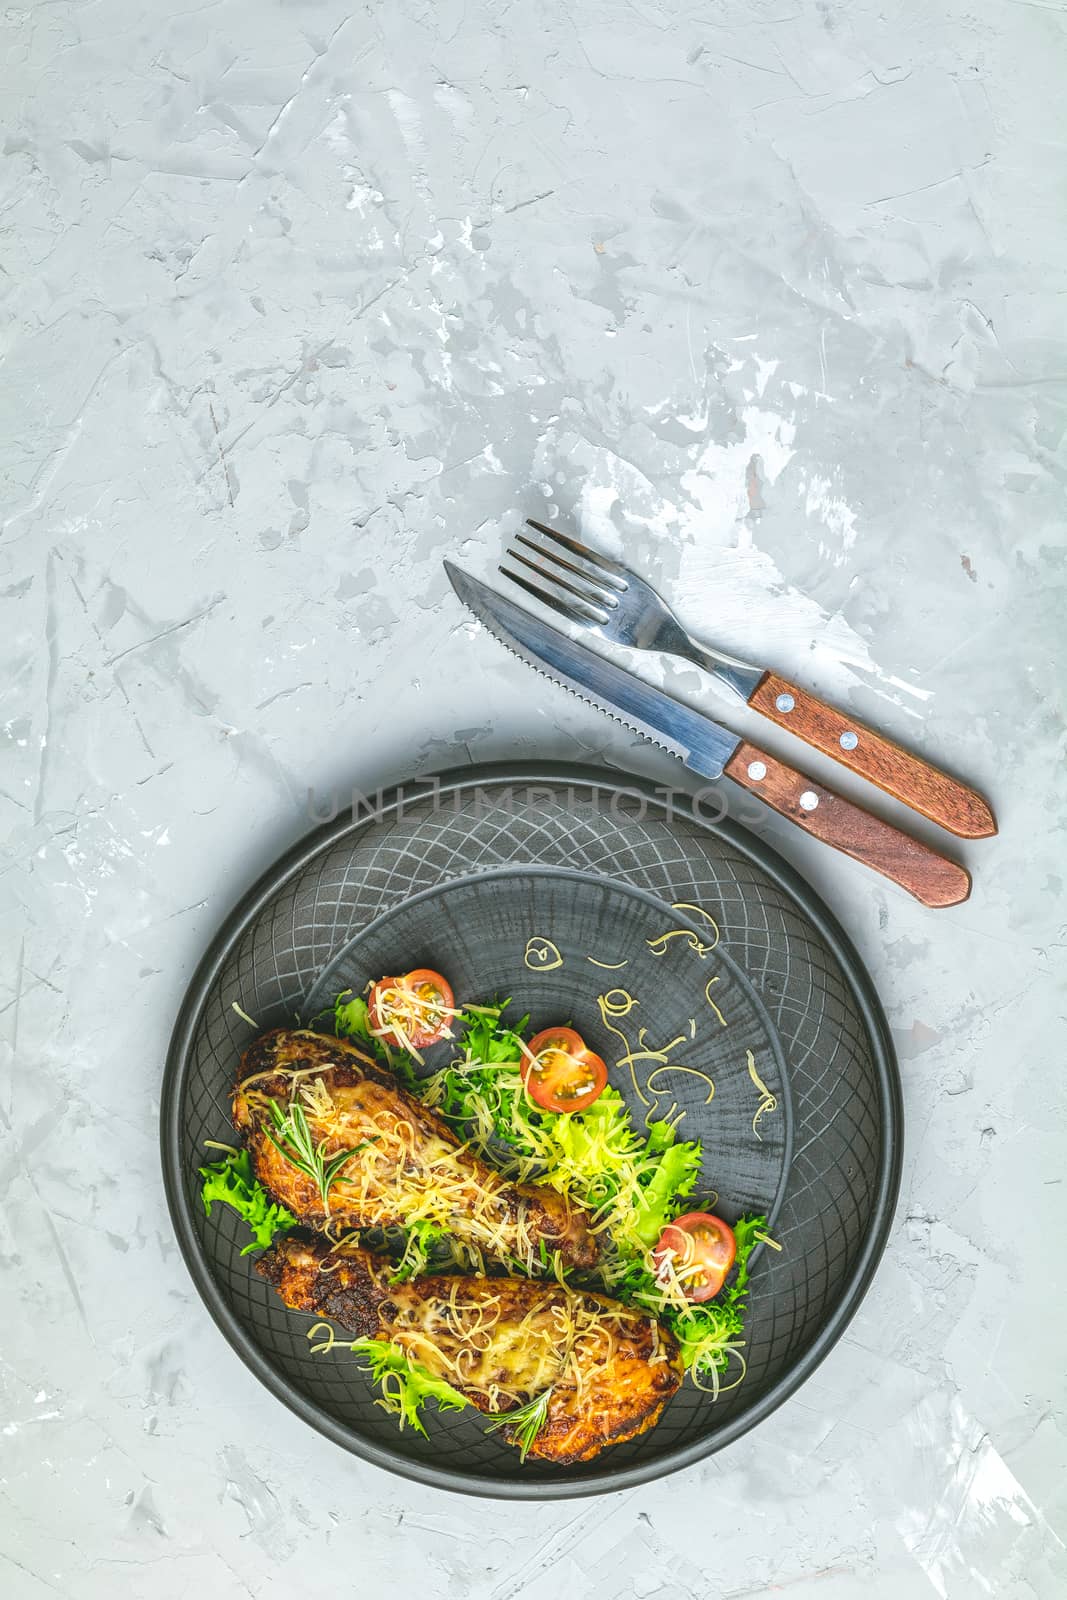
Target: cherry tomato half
(566, 1076)
(701, 1249)
(419, 1004)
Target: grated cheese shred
(768, 1100)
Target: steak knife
(712, 751)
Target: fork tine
(594, 587)
(614, 572)
(587, 603)
(571, 613)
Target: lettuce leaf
(406, 1386)
(422, 1241)
(675, 1175)
(350, 1018)
(352, 1021)
(232, 1182)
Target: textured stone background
(297, 298)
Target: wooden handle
(931, 878)
(934, 794)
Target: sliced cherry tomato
(413, 1010)
(566, 1075)
(699, 1249)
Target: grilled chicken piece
(498, 1341)
(407, 1164)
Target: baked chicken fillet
(500, 1342)
(406, 1164)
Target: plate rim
(450, 780)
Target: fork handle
(932, 793)
(932, 878)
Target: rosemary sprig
(526, 1421)
(292, 1138)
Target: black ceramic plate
(478, 932)
(459, 874)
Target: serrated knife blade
(694, 738)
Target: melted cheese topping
(404, 1172)
(564, 1340)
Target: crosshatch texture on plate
(845, 1097)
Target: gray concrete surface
(299, 297)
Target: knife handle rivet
(757, 770)
(849, 740)
(808, 800)
(785, 702)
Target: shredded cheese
(214, 1144)
(683, 905)
(658, 945)
(541, 955)
(715, 1388)
(692, 1072)
(707, 996)
(402, 1175)
(617, 1003)
(768, 1101)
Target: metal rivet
(785, 702)
(808, 800)
(756, 771)
(849, 740)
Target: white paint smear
(729, 591)
(836, 514)
(976, 1508)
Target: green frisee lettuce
(405, 1384)
(233, 1182)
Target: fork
(588, 587)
